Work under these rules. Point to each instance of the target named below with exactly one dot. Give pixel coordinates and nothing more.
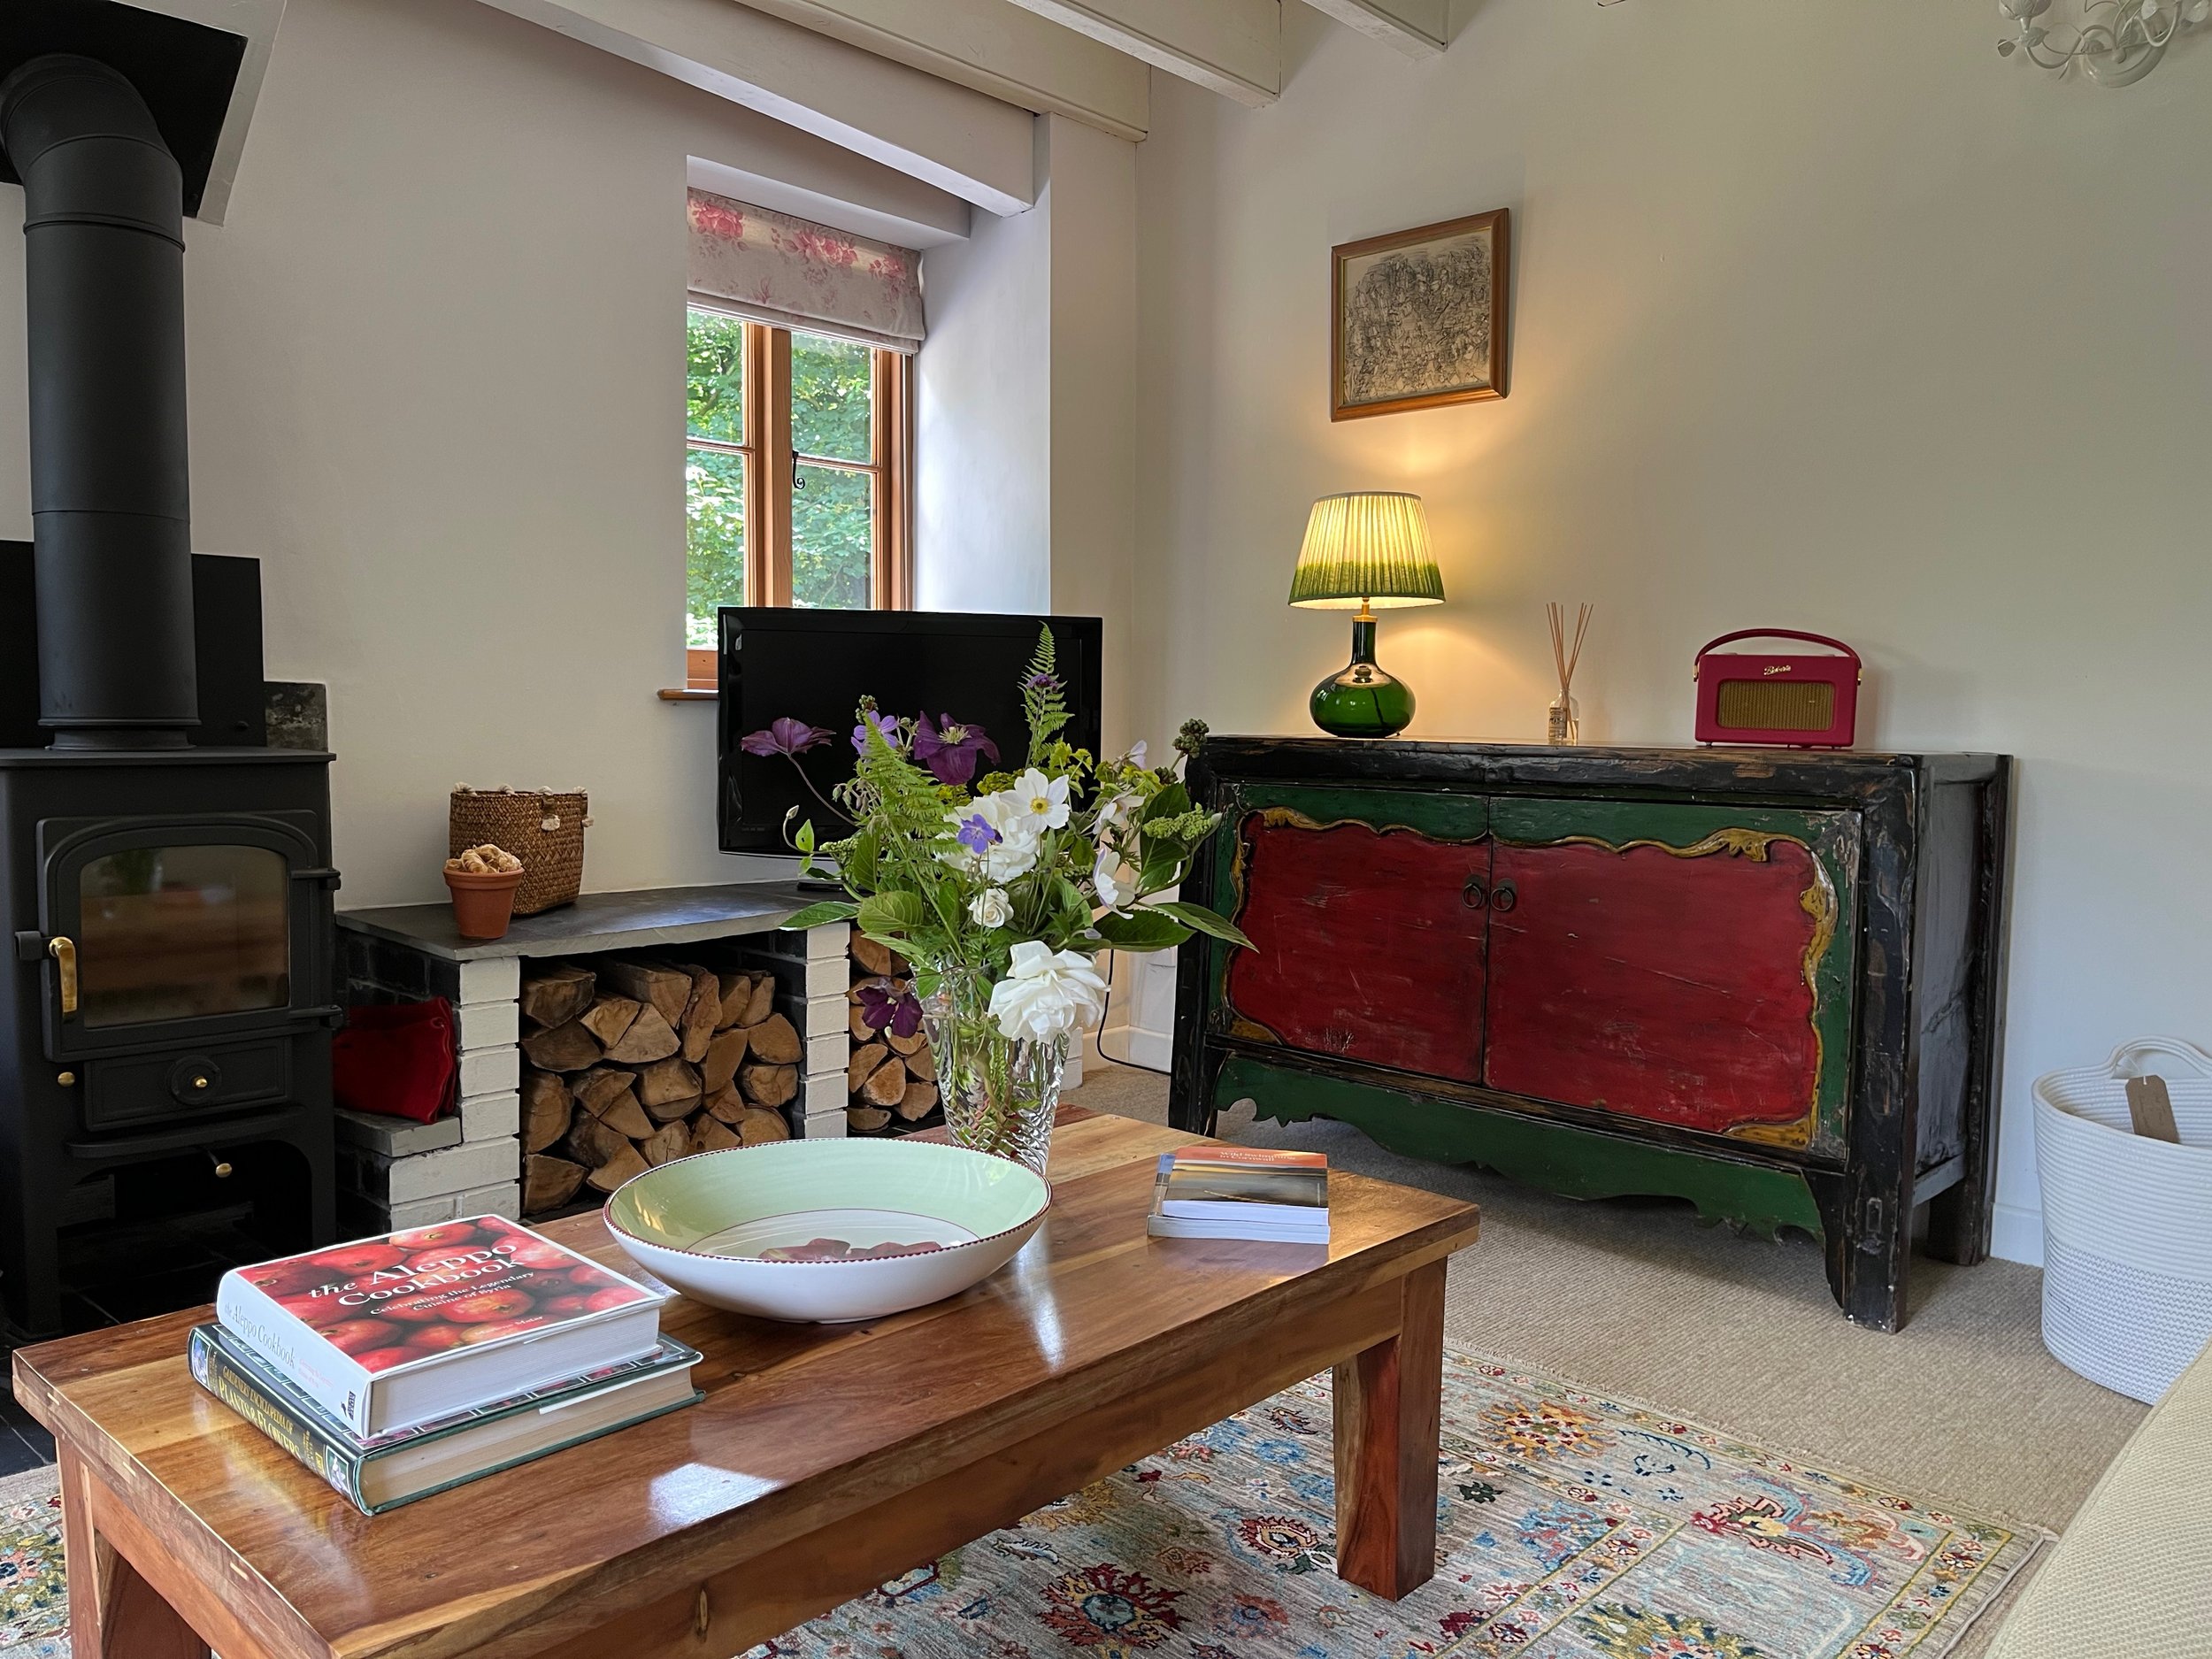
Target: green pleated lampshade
(1370, 546)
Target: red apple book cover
(389, 1331)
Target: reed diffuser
(1565, 726)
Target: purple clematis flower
(976, 835)
(949, 749)
(787, 737)
(880, 1008)
(886, 724)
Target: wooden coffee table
(823, 1460)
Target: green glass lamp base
(1360, 699)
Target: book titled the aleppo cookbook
(387, 1332)
(410, 1463)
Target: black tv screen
(816, 665)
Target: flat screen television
(816, 665)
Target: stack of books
(398, 1366)
(1241, 1193)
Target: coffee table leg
(1389, 1399)
(113, 1613)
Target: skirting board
(2016, 1234)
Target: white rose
(1013, 854)
(1106, 879)
(991, 908)
(1046, 993)
(1042, 799)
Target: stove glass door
(178, 932)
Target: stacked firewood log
(892, 1080)
(629, 1064)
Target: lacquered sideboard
(1767, 981)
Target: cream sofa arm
(2130, 1578)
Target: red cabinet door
(1680, 965)
(1368, 912)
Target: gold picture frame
(1418, 318)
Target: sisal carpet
(1570, 1526)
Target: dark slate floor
(113, 1275)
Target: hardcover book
(409, 1463)
(390, 1333)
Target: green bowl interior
(694, 1198)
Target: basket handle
(2138, 1058)
(1777, 633)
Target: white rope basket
(2127, 1220)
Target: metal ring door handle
(1472, 895)
(63, 949)
(1504, 897)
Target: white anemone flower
(1115, 814)
(1106, 879)
(991, 908)
(1042, 799)
(1047, 992)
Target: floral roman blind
(777, 269)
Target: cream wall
(1025, 405)
(1825, 317)
(436, 356)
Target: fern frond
(1044, 699)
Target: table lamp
(1369, 549)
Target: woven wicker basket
(543, 827)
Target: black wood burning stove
(166, 1024)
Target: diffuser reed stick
(1565, 724)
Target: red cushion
(395, 1059)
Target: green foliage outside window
(831, 510)
(714, 483)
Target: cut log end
(549, 1182)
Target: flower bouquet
(1002, 890)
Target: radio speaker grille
(1770, 705)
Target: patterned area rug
(34, 1600)
(1570, 1526)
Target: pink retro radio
(1766, 697)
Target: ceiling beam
(1419, 28)
(1232, 47)
(953, 137)
(995, 48)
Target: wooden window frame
(769, 488)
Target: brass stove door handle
(63, 949)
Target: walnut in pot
(487, 860)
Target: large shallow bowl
(775, 1230)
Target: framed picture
(1418, 317)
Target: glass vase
(1000, 1093)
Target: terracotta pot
(483, 905)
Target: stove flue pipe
(103, 241)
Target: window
(826, 525)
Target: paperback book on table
(380, 1474)
(412, 1327)
(1241, 1193)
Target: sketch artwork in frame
(1420, 317)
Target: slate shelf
(597, 921)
